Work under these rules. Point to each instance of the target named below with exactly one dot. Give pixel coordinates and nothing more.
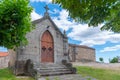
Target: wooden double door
(47, 47)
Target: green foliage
(15, 22)
(101, 59)
(56, 78)
(94, 12)
(99, 74)
(114, 60)
(6, 75)
(89, 79)
(47, 78)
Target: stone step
(53, 69)
(51, 65)
(55, 73)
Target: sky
(106, 43)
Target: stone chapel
(47, 52)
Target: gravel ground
(67, 77)
(112, 66)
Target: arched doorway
(47, 47)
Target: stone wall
(81, 53)
(12, 58)
(4, 61)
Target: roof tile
(3, 54)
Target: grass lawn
(100, 74)
(6, 74)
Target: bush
(101, 59)
(114, 60)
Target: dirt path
(112, 66)
(67, 77)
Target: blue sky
(106, 43)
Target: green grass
(6, 74)
(100, 74)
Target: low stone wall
(4, 62)
(112, 66)
(80, 53)
(12, 58)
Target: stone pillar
(65, 46)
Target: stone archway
(47, 47)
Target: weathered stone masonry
(80, 53)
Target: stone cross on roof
(46, 13)
(46, 8)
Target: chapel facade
(47, 49)
(47, 52)
(47, 44)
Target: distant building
(4, 59)
(80, 53)
(118, 59)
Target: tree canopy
(101, 59)
(114, 60)
(94, 12)
(15, 22)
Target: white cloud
(35, 16)
(81, 32)
(55, 11)
(62, 20)
(93, 36)
(47, 1)
(113, 48)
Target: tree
(114, 60)
(101, 59)
(94, 12)
(15, 22)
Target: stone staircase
(46, 69)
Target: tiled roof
(3, 54)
